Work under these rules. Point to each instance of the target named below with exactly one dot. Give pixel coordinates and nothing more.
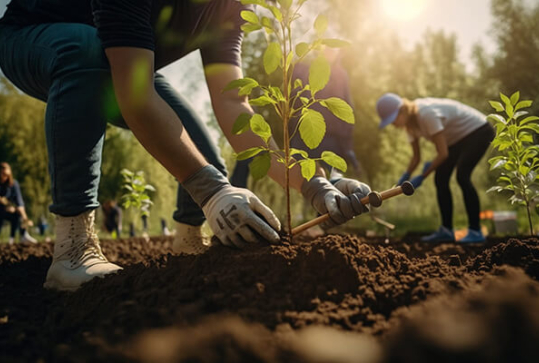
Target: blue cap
(387, 107)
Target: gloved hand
(351, 186)
(232, 216)
(417, 181)
(326, 198)
(404, 177)
(231, 212)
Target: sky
(470, 20)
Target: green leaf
(523, 104)
(519, 114)
(497, 106)
(238, 83)
(276, 93)
(496, 118)
(276, 13)
(334, 160)
(254, 2)
(249, 27)
(285, 4)
(302, 49)
(308, 168)
(127, 173)
(505, 99)
(249, 16)
(249, 153)
(531, 176)
(267, 23)
(260, 165)
(529, 119)
(312, 128)
(495, 189)
(304, 100)
(262, 101)
(339, 108)
(294, 151)
(272, 57)
(246, 90)
(510, 111)
(319, 74)
(298, 83)
(525, 137)
(515, 97)
(321, 24)
(260, 127)
(497, 162)
(241, 124)
(335, 43)
(289, 59)
(532, 127)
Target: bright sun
(403, 9)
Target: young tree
(518, 162)
(282, 54)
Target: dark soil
(333, 299)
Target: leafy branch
(281, 55)
(518, 162)
(136, 192)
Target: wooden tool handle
(365, 200)
(320, 219)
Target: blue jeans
(64, 65)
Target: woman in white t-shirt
(461, 135)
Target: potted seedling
(518, 161)
(291, 97)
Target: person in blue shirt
(12, 205)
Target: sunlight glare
(403, 10)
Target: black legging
(13, 218)
(465, 155)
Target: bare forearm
(416, 157)
(161, 132)
(22, 212)
(412, 165)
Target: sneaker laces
(83, 241)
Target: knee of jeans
(82, 51)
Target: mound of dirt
(265, 303)
(498, 321)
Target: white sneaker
(26, 238)
(190, 240)
(77, 255)
(11, 240)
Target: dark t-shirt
(12, 193)
(171, 28)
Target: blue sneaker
(473, 236)
(443, 234)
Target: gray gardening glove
(351, 186)
(325, 198)
(236, 216)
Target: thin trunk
(286, 117)
(529, 218)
